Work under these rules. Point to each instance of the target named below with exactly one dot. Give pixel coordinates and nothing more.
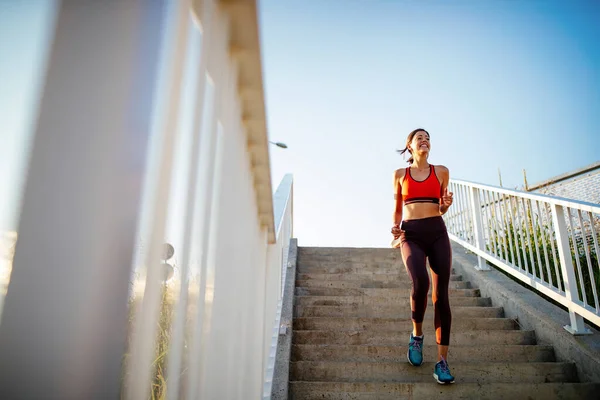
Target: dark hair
(408, 140)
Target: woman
(422, 197)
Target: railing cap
(561, 201)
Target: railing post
(63, 329)
(478, 228)
(577, 326)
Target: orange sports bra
(426, 191)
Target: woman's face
(420, 143)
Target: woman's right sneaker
(441, 373)
(415, 350)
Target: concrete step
(389, 293)
(431, 390)
(353, 268)
(370, 284)
(316, 259)
(368, 353)
(351, 328)
(366, 277)
(367, 311)
(361, 265)
(348, 252)
(381, 300)
(474, 338)
(396, 324)
(464, 372)
(337, 249)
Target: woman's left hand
(447, 198)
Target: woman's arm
(398, 176)
(445, 196)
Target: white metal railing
(278, 252)
(160, 105)
(549, 243)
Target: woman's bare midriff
(420, 211)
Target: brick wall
(584, 187)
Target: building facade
(582, 184)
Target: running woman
(422, 197)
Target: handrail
(283, 207)
(549, 243)
(584, 206)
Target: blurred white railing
(151, 129)
(549, 243)
(278, 255)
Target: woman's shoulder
(441, 169)
(399, 177)
(399, 173)
(442, 173)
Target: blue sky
(25, 29)
(499, 84)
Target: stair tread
(479, 332)
(378, 353)
(392, 292)
(357, 297)
(398, 275)
(402, 307)
(389, 311)
(399, 324)
(382, 300)
(453, 364)
(372, 284)
(381, 337)
(389, 371)
(424, 390)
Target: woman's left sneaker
(415, 350)
(441, 373)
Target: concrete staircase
(351, 328)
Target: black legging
(423, 238)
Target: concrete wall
(532, 312)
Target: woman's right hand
(396, 230)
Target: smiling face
(419, 142)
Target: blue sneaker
(415, 350)
(442, 374)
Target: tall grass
(158, 389)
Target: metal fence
(150, 129)
(549, 243)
